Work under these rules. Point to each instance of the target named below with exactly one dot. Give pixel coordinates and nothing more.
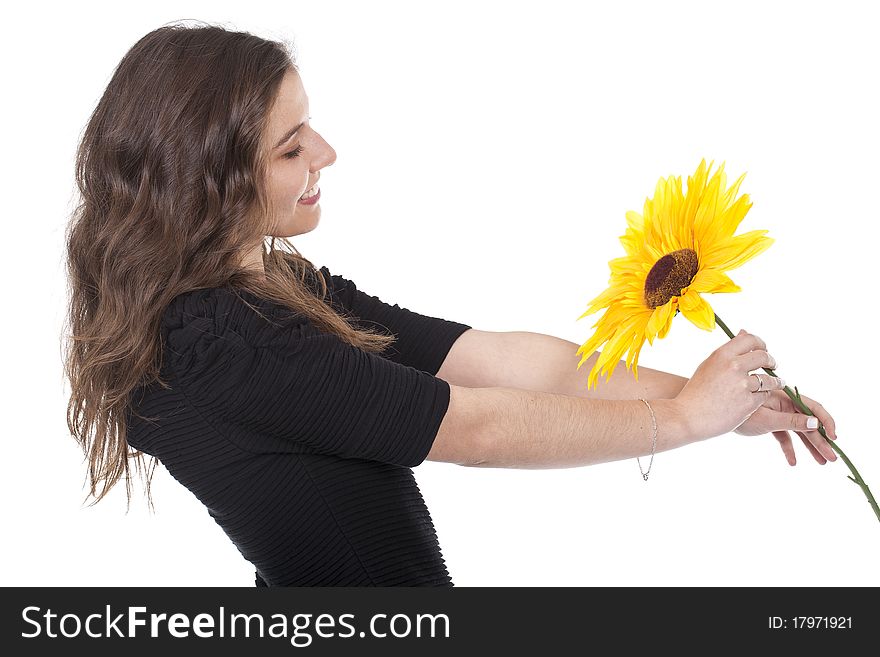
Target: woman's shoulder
(199, 323)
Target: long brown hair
(171, 171)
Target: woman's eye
(294, 152)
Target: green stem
(796, 398)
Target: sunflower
(678, 249)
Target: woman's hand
(723, 394)
(778, 415)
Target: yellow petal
(605, 298)
(706, 225)
(635, 222)
(736, 251)
(610, 356)
(626, 265)
(731, 217)
(692, 200)
(712, 280)
(634, 358)
(659, 320)
(695, 308)
(592, 378)
(589, 347)
(730, 194)
(638, 340)
(672, 310)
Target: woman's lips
(312, 199)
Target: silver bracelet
(653, 442)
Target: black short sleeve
(422, 341)
(288, 380)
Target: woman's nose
(328, 157)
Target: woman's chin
(300, 224)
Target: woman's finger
(787, 448)
(821, 460)
(813, 436)
(760, 382)
(756, 359)
(821, 445)
(744, 342)
(824, 417)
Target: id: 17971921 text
(810, 622)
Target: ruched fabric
(299, 445)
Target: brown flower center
(669, 275)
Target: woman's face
(295, 160)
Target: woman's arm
(514, 428)
(534, 361)
(509, 427)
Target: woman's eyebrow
(287, 135)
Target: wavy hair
(171, 172)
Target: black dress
(299, 445)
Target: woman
(291, 403)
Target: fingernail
(812, 423)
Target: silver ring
(760, 382)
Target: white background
(487, 154)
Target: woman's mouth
(311, 196)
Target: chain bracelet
(653, 442)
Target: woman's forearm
(652, 384)
(531, 429)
